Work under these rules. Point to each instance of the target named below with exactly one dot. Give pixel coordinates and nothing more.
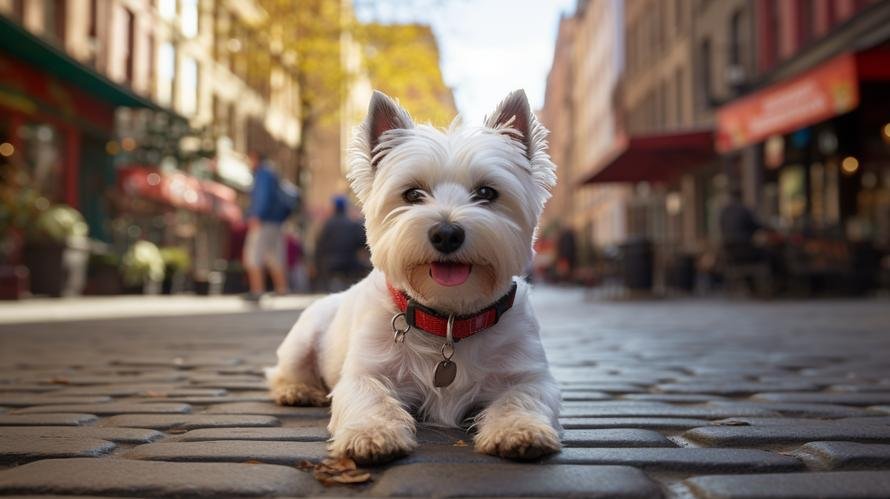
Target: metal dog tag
(446, 370)
(444, 373)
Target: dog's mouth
(450, 274)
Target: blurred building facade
(141, 114)
(713, 97)
(579, 111)
(809, 138)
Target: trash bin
(636, 264)
(681, 275)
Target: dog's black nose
(446, 237)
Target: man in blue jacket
(264, 244)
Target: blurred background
(194, 146)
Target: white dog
(450, 218)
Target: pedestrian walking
(271, 203)
(337, 250)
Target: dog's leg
(522, 422)
(368, 423)
(295, 379)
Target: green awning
(23, 45)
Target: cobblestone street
(673, 398)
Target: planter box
(103, 280)
(57, 269)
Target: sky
(488, 47)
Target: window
(680, 15)
(152, 62)
(189, 87)
(189, 18)
(805, 20)
(166, 73)
(42, 153)
(681, 108)
(773, 16)
(18, 10)
(129, 57)
(704, 77)
(93, 28)
(54, 19)
(735, 39)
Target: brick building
(140, 114)
(579, 111)
(694, 76)
(809, 139)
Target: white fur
(345, 342)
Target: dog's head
(451, 215)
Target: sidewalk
(672, 398)
(112, 307)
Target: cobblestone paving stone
(681, 398)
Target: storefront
(173, 209)
(677, 184)
(821, 141)
(56, 117)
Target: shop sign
(817, 95)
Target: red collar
(435, 322)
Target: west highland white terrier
(441, 329)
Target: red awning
(181, 191)
(655, 158)
(827, 90)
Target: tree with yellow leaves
(402, 60)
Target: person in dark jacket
(738, 225)
(337, 250)
(264, 244)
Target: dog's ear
(514, 118)
(384, 115)
(369, 145)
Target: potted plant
(177, 264)
(57, 251)
(142, 268)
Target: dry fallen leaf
(333, 471)
(355, 476)
(460, 443)
(253, 461)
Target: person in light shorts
(264, 247)
(264, 243)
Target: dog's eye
(485, 193)
(413, 196)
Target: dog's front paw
(289, 393)
(373, 444)
(517, 438)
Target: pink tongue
(449, 273)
